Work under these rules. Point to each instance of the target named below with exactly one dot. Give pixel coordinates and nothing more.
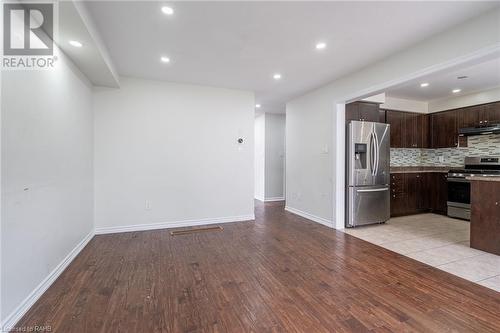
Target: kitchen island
(485, 214)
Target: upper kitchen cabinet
(363, 111)
(444, 129)
(416, 133)
(408, 129)
(397, 121)
(490, 114)
(469, 117)
(478, 115)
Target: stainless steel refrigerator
(368, 174)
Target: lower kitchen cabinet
(438, 190)
(414, 193)
(398, 194)
(485, 217)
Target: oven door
(459, 198)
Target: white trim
(339, 160)
(172, 224)
(28, 302)
(271, 199)
(259, 198)
(311, 217)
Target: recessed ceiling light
(257, 106)
(277, 76)
(320, 46)
(456, 91)
(425, 84)
(165, 59)
(75, 43)
(167, 10)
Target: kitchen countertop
(485, 179)
(420, 169)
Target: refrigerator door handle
(377, 153)
(373, 190)
(372, 155)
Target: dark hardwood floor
(281, 273)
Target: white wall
(487, 96)
(47, 176)
(309, 161)
(172, 147)
(312, 124)
(260, 156)
(275, 156)
(392, 103)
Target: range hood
(484, 130)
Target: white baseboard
(311, 217)
(259, 198)
(274, 199)
(12, 319)
(174, 224)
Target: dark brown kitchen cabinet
(469, 117)
(411, 131)
(408, 129)
(490, 114)
(416, 131)
(444, 129)
(438, 191)
(411, 193)
(398, 194)
(485, 216)
(422, 189)
(423, 126)
(397, 121)
(362, 111)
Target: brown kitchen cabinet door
(417, 193)
(362, 111)
(469, 116)
(351, 112)
(397, 121)
(412, 192)
(485, 216)
(411, 136)
(490, 113)
(444, 129)
(423, 199)
(438, 187)
(381, 116)
(423, 128)
(398, 194)
(369, 111)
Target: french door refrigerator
(367, 172)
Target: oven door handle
(458, 180)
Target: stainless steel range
(459, 186)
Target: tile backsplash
(483, 145)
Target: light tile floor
(438, 241)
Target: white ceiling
(482, 76)
(241, 44)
